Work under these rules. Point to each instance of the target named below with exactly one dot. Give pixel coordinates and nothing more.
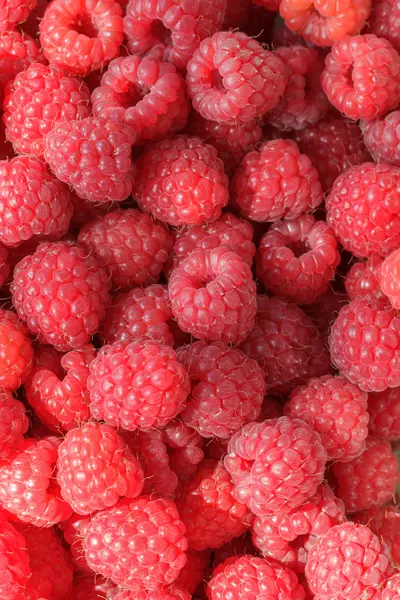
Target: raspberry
(353, 81)
(348, 561)
(381, 138)
(333, 145)
(193, 573)
(17, 51)
(228, 389)
(147, 95)
(362, 280)
(231, 77)
(83, 37)
(14, 12)
(234, 548)
(368, 480)
(384, 21)
(369, 224)
(164, 593)
(325, 311)
(213, 295)
(325, 23)
(208, 508)
(93, 588)
(286, 344)
(93, 156)
(175, 26)
(246, 576)
(138, 542)
(365, 345)
(391, 588)
(74, 531)
(388, 274)
(297, 259)
(137, 385)
(185, 448)
(276, 465)
(303, 102)
(13, 423)
(276, 182)
(131, 246)
(16, 354)
(28, 485)
(384, 521)
(384, 411)
(15, 570)
(182, 181)
(85, 211)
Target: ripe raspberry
(17, 51)
(303, 102)
(181, 181)
(228, 389)
(391, 588)
(83, 37)
(243, 577)
(194, 571)
(325, 311)
(213, 295)
(286, 344)
(14, 12)
(337, 410)
(368, 480)
(231, 77)
(384, 521)
(384, 411)
(362, 280)
(388, 277)
(93, 156)
(177, 28)
(276, 465)
(348, 561)
(147, 95)
(276, 182)
(16, 353)
(238, 546)
(381, 138)
(384, 21)
(208, 508)
(365, 345)
(352, 78)
(165, 593)
(28, 485)
(15, 570)
(131, 246)
(13, 423)
(185, 448)
(137, 385)
(74, 531)
(137, 542)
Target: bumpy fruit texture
(384, 411)
(388, 278)
(362, 279)
(381, 138)
(384, 21)
(13, 423)
(17, 51)
(384, 521)
(15, 570)
(16, 352)
(74, 530)
(194, 571)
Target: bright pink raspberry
(362, 280)
(297, 259)
(131, 245)
(381, 137)
(181, 181)
(62, 294)
(14, 12)
(388, 277)
(231, 77)
(81, 37)
(353, 81)
(13, 423)
(137, 385)
(213, 295)
(286, 344)
(28, 485)
(384, 521)
(185, 448)
(368, 480)
(74, 531)
(194, 571)
(209, 510)
(391, 588)
(337, 410)
(228, 389)
(276, 182)
(384, 21)
(276, 465)
(16, 353)
(324, 312)
(15, 570)
(147, 95)
(93, 156)
(17, 51)
(384, 411)
(175, 26)
(137, 542)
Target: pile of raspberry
(200, 300)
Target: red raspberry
(13, 423)
(381, 137)
(93, 156)
(165, 593)
(384, 21)
(297, 259)
(384, 411)
(14, 12)
(286, 344)
(352, 78)
(74, 531)
(17, 51)
(384, 521)
(348, 561)
(83, 37)
(147, 95)
(138, 542)
(16, 354)
(276, 465)
(93, 588)
(303, 102)
(228, 389)
(213, 295)
(324, 312)
(276, 182)
(245, 577)
(85, 211)
(28, 485)
(362, 280)
(209, 510)
(388, 277)
(337, 410)
(231, 77)
(15, 571)
(194, 571)
(131, 246)
(175, 26)
(368, 480)
(137, 385)
(182, 181)
(185, 448)
(365, 345)
(391, 588)
(238, 546)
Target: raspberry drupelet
(15, 570)
(231, 77)
(391, 588)
(213, 295)
(13, 423)
(275, 465)
(16, 353)
(74, 530)
(181, 181)
(384, 411)
(14, 12)
(185, 448)
(381, 137)
(362, 280)
(384, 521)
(17, 51)
(388, 278)
(194, 571)
(92, 587)
(172, 592)
(276, 182)
(384, 21)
